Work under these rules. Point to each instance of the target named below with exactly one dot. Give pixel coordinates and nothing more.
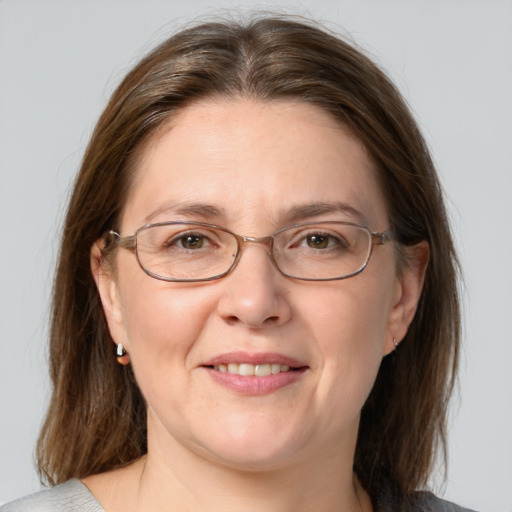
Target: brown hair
(96, 419)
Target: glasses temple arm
(127, 242)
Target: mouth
(255, 374)
(253, 370)
(253, 364)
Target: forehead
(249, 158)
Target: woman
(255, 306)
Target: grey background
(60, 60)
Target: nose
(255, 293)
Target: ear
(407, 293)
(109, 293)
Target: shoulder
(417, 502)
(427, 502)
(71, 496)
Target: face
(250, 167)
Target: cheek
(349, 324)
(162, 322)
(350, 317)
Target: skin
(210, 447)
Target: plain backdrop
(452, 59)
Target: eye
(322, 241)
(318, 241)
(189, 242)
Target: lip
(252, 385)
(254, 358)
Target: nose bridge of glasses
(266, 240)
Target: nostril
(233, 319)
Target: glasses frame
(130, 243)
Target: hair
(97, 416)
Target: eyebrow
(303, 212)
(295, 214)
(205, 211)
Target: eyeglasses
(195, 251)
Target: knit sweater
(74, 496)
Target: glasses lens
(185, 252)
(330, 250)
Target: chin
(261, 460)
(253, 450)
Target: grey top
(74, 496)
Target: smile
(252, 374)
(253, 370)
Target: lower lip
(255, 386)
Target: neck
(228, 490)
(176, 478)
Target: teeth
(233, 368)
(246, 369)
(262, 370)
(251, 370)
(275, 368)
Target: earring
(396, 343)
(122, 356)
